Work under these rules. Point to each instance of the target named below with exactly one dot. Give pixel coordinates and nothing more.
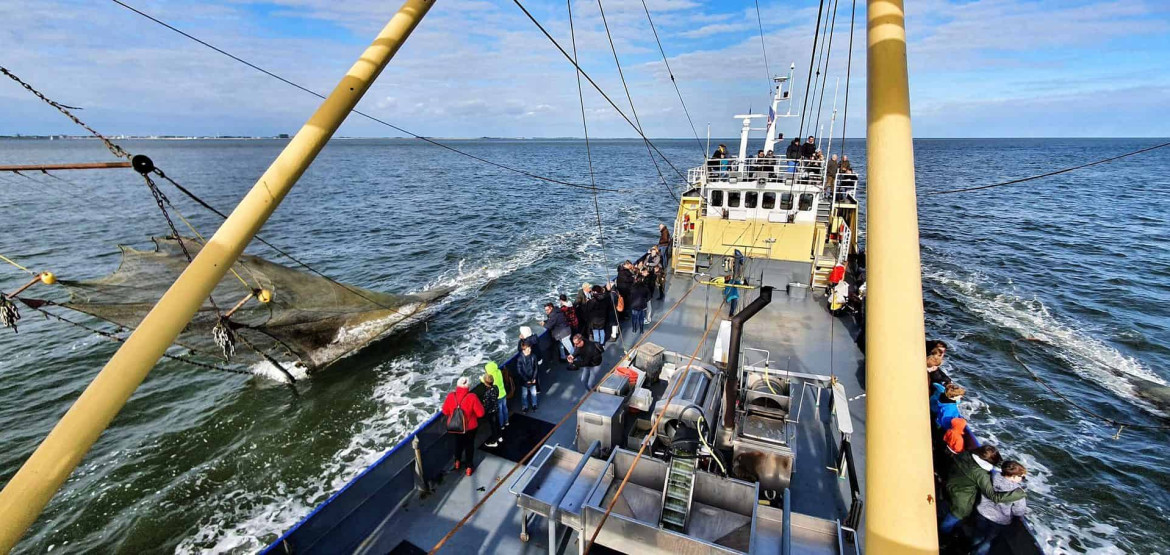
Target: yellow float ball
(264, 296)
(48, 278)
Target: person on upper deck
(845, 165)
(970, 477)
(720, 152)
(793, 153)
(587, 358)
(831, 173)
(993, 518)
(558, 326)
(462, 429)
(809, 149)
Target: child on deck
(994, 517)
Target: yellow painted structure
(31, 488)
(758, 238)
(899, 485)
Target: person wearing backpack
(463, 410)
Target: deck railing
(777, 169)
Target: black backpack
(457, 422)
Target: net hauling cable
(673, 81)
(1049, 174)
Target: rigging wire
(589, 158)
(1049, 174)
(811, 58)
(630, 99)
(597, 87)
(358, 112)
(828, 58)
(672, 79)
(848, 76)
(572, 411)
(763, 48)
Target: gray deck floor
(800, 335)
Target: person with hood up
(969, 478)
(936, 391)
(471, 410)
(570, 312)
(598, 305)
(954, 437)
(497, 375)
(558, 326)
(948, 406)
(526, 368)
(993, 518)
(491, 391)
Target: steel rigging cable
(828, 57)
(848, 76)
(763, 48)
(630, 98)
(811, 59)
(672, 79)
(358, 112)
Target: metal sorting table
(554, 485)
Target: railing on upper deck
(777, 169)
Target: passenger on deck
(587, 359)
(839, 298)
(664, 243)
(954, 438)
(993, 518)
(948, 405)
(599, 306)
(583, 295)
(558, 326)
(970, 477)
(809, 148)
(934, 373)
(845, 165)
(502, 400)
(793, 154)
(570, 313)
(490, 390)
(831, 173)
(527, 338)
(612, 324)
(638, 300)
(464, 433)
(720, 152)
(730, 294)
(526, 369)
(625, 278)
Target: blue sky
(982, 68)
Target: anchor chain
(9, 315)
(225, 337)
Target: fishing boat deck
(387, 514)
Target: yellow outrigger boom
(31, 488)
(899, 479)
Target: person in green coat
(970, 477)
(497, 375)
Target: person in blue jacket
(948, 406)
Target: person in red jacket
(463, 398)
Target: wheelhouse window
(806, 202)
(769, 201)
(716, 198)
(733, 199)
(786, 201)
(751, 199)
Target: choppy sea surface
(201, 461)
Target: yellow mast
(27, 493)
(899, 483)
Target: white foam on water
(410, 392)
(1091, 358)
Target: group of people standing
(582, 327)
(981, 488)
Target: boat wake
(1089, 357)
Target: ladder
(686, 243)
(686, 258)
(676, 498)
(821, 270)
(824, 207)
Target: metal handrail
(776, 169)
